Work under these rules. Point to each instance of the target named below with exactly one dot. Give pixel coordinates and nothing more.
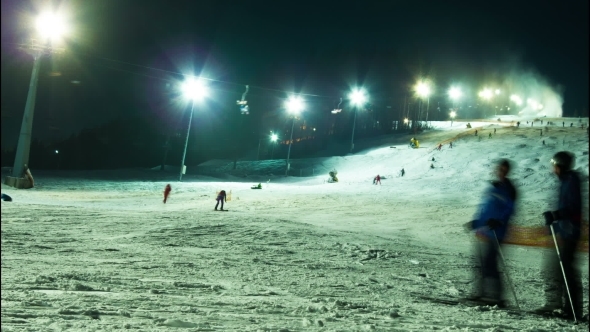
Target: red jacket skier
(377, 180)
(167, 191)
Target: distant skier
(431, 165)
(439, 147)
(563, 123)
(451, 145)
(490, 135)
(518, 124)
(403, 172)
(221, 197)
(475, 132)
(432, 159)
(492, 223)
(494, 130)
(167, 191)
(377, 180)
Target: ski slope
(99, 251)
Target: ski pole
(563, 271)
(506, 270)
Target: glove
(494, 223)
(549, 217)
(469, 226)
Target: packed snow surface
(99, 251)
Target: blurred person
(377, 180)
(167, 191)
(492, 223)
(566, 222)
(221, 197)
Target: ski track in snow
(300, 255)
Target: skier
(377, 180)
(451, 145)
(566, 221)
(167, 191)
(494, 130)
(403, 172)
(490, 135)
(221, 197)
(432, 166)
(492, 222)
(475, 132)
(518, 124)
(439, 147)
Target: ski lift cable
(205, 78)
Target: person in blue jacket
(566, 222)
(492, 223)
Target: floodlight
(357, 97)
(486, 94)
(453, 114)
(274, 137)
(56, 151)
(294, 105)
(422, 89)
(194, 89)
(455, 93)
(50, 26)
(406, 120)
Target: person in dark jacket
(566, 222)
(221, 197)
(491, 224)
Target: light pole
(273, 139)
(191, 89)
(423, 90)
(486, 94)
(455, 94)
(50, 28)
(294, 106)
(358, 98)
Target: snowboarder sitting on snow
(259, 186)
(431, 165)
(221, 197)
(491, 223)
(377, 180)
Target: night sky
(128, 55)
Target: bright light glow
(455, 93)
(50, 26)
(294, 105)
(516, 99)
(423, 89)
(497, 91)
(56, 151)
(406, 120)
(357, 97)
(453, 114)
(194, 89)
(274, 137)
(540, 106)
(486, 94)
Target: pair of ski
(479, 303)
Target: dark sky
(127, 54)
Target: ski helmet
(563, 159)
